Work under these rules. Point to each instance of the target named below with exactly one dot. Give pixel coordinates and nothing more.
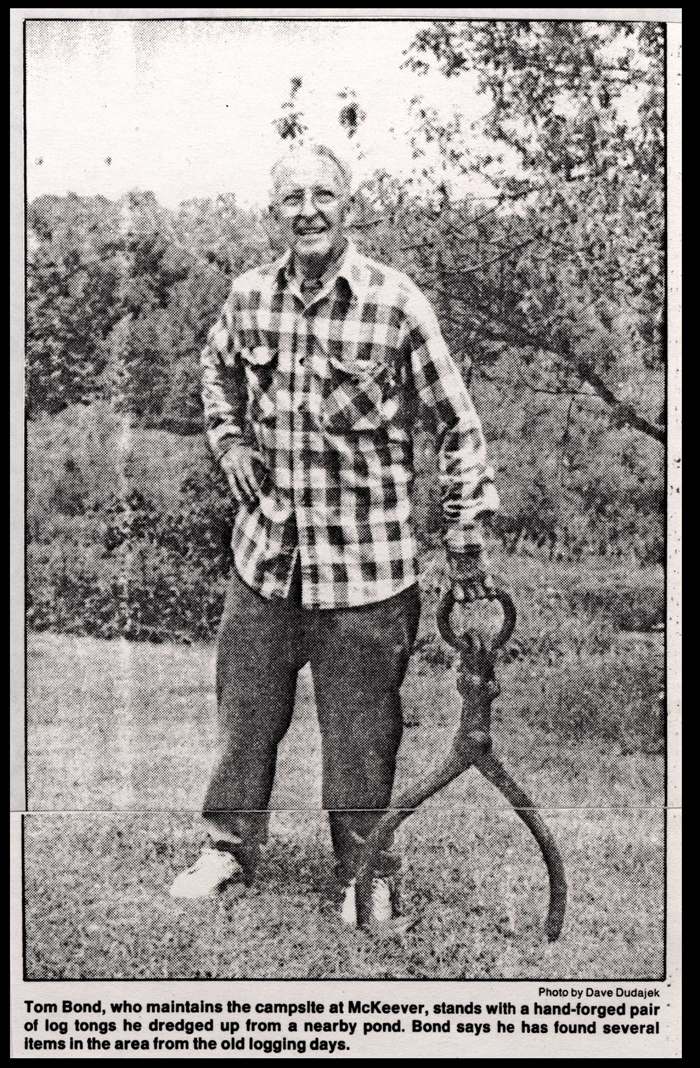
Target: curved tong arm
(472, 745)
(492, 769)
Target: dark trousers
(358, 659)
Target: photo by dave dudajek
(346, 479)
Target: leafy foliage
(128, 531)
(121, 296)
(571, 274)
(73, 278)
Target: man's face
(311, 205)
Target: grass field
(121, 740)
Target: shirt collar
(350, 269)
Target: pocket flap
(363, 369)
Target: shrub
(134, 543)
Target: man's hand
(470, 575)
(244, 468)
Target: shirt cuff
(233, 437)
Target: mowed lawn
(121, 740)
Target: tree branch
(474, 268)
(623, 412)
(366, 223)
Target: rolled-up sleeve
(223, 384)
(467, 486)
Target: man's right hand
(244, 468)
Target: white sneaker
(212, 868)
(348, 909)
(377, 906)
(381, 903)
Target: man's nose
(308, 208)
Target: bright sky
(186, 109)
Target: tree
(569, 271)
(73, 275)
(121, 295)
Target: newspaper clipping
(346, 501)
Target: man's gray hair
(312, 148)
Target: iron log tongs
(472, 744)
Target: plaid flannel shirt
(327, 389)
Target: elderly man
(312, 379)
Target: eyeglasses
(320, 198)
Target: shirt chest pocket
(358, 396)
(260, 366)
